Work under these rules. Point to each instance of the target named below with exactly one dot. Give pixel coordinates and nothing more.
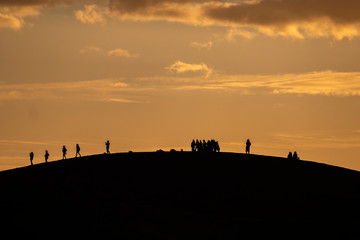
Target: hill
(180, 195)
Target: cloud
(288, 18)
(236, 32)
(122, 100)
(184, 11)
(9, 21)
(91, 49)
(181, 67)
(13, 16)
(112, 53)
(91, 14)
(122, 53)
(293, 18)
(326, 83)
(14, 12)
(2, 141)
(206, 45)
(108, 89)
(311, 141)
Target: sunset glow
(156, 74)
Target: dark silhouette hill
(180, 195)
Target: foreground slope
(177, 195)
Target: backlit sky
(155, 74)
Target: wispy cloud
(313, 83)
(118, 52)
(233, 33)
(311, 141)
(123, 100)
(22, 142)
(199, 45)
(181, 67)
(91, 14)
(327, 83)
(122, 53)
(110, 89)
(91, 49)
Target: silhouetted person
(290, 156)
(212, 145)
(77, 150)
(107, 144)
(64, 150)
(217, 147)
(198, 145)
(208, 146)
(193, 145)
(46, 155)
(295, 156)
(248, 144)
(31, 158)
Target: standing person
(248, 144)
(77, 150)
(198, 145)
(208, 146)
(46, 155)
(217, 147)
(31, 158)
(193, 145)
(64, 150)
(213, 145)
(107, 144)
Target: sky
(155, 74)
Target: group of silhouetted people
(64, 152)
(205, 146)
(196, 146)
(46, 157)
(293, 156)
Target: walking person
(46, 155)
(77, 150)
(64, 151)
(31, 158)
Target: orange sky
(153, 74)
